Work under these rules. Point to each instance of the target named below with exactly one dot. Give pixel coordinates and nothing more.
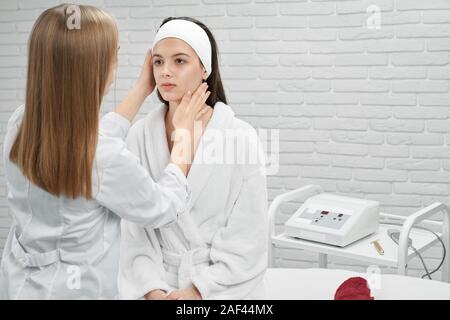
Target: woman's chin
(170, 97)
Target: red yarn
(355, 288)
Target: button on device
(340, 215)
(324, 212)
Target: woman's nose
(167, 72)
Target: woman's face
(177, 69)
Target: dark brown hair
(214, 80)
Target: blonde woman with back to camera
(69, 175)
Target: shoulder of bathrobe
(235, 122)
(252, 141)
(137, 129)
(242, 126)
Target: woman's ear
(204, 75)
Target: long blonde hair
(68, 70)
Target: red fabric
(355, 288)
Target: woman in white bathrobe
(219, 249)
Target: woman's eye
(157, 62)
(179, 61)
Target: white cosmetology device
(334, 219)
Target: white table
(396, 256)
(321, 284)
(363, 249)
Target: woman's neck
(173, 105)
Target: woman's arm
(127, 189)
(145, 85)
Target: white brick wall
(363, 112)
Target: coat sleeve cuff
(153, 285)
(178, 173)
(203, 285)
(176, 170)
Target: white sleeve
(239, 249)
(141, 262)
(11, 132)
(114, 125)
(125, 186)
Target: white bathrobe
(220, 242)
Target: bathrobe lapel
(157, 151)
(200, 171)
(201, 168)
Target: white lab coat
(69, 248)
(220, 244)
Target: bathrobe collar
(199, 172)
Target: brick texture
(362, 104)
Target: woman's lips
(168, 86)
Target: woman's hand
(188, 111)
(157, 294)
(145, 85)
(190, 293)
(146, 82)
(191, 108)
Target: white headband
(192, 34)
